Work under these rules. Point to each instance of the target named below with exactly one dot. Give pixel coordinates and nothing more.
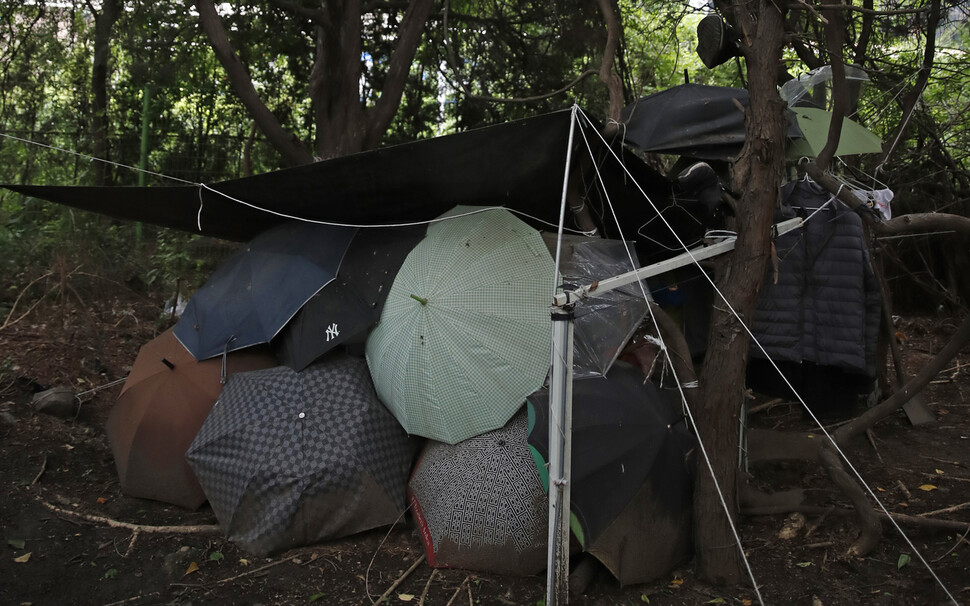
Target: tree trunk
(103, 23)
(757, 176)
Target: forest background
(203, 92)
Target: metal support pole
(560, 447)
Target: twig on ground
(872, 441)
(960, 539)
(945, 510)
(427, 586)
(7, 321)
(818, 522)
(454, 596)
(471, 600)
(904, 490)
(765, 406)
(43, 468)
(401, 579)
(899, 517)
(934, 459)
(189, 529)
(238, 576)
(135, 598)
(374, 555)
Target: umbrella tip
(169, 364)
(420, 300)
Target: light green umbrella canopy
(464, 336)
(814, 124)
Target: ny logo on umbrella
(332, 332)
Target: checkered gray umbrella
(290, 458)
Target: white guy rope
(96, 159)
(857, 475)
(203, 186)
(680, 388)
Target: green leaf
(315, 597)
(715, 601)
(16, 543)
(903, 560)
(644, 598)
(111, 573)
(803, 564)
(216, 556)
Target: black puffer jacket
(825, 307)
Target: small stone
(57, 401)
(7, 418)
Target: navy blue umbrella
(253, 295)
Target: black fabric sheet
(518, 164)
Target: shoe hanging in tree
(716, 41)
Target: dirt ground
(57, 477)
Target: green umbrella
(814, 124)
(464, 336)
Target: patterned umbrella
(479, 504)
(464, 335)
(160, 410)
(251, 296)
(290, 458)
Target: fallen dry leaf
(193, 567)
(23, 559)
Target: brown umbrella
(163, 404)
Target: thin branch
(7, 322)
(239, 576)
(190, 529)
(314, 15)
(400, 579)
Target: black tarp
(519, 165)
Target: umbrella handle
(225, 354)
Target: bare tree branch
(408, 38)
(287, 143)
(612, 80)
(316, 16)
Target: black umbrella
(290, 458)
(345, 309)
(696, 120)
(632, 472)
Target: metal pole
(146, 106)
(560, 447)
